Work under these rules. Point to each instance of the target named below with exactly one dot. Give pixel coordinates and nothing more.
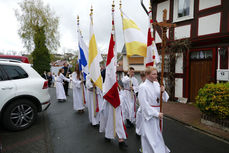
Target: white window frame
(175, 12)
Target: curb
(201, 130)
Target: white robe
(60, 93)
(139, 118)
(107, 121)
(77, 87)
(151, 136)
(129, 102)
(93, 118)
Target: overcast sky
(67, 11)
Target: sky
(67, 11)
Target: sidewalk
(191, 115)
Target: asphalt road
(62, 130)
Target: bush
(213, 100)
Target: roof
(14, 57)
(124, 50)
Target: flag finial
(113, 5)
(78, 20)
(91, 10)
(120, 4)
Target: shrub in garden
(213, 100)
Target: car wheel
(19, 115)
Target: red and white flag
(152, 57)
(111, 93)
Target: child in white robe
(78, 91)
(60, 93)
(149, 96)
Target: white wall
(182, 32)
(209, 24)
(179, 64)
(179, 87)
(160, 8)
(158, 38)
(136, 67)
(203, 4)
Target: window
(198, 55)
(15, 72)
(183, 10)
(1, 75)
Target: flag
(94, 58)
(111, 93)
(83, 55)
(152, 57)
(135, 41)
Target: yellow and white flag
(135, 40)
(94, 59)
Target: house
(135, 61)
(206, 24)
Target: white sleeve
(165, 96)
(75, 81)
(135, 85)
(125, 80)
(147, 110)
(88, 83)
(64, 78)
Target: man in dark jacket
(67, 71)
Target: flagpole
(82, 86)
(113, 30)
(94, 96)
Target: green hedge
(213, 100)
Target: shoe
(107, 139)
(122, 145)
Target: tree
(41, 55)
(38, 30)
(34, 15)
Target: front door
(200, 71)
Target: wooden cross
(164, 25)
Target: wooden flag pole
(164, 25)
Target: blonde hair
(149, 69)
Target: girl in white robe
(78, 91)
(60, 93)
(149, 94)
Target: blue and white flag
(83, 55)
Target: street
(62, 130)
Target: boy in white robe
(130, 84)
(60, 93)
(149, 95)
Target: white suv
(23, 93)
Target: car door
(7, 88)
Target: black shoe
(122, 145)
(107, 139)
(95, 126)
(129, 124)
